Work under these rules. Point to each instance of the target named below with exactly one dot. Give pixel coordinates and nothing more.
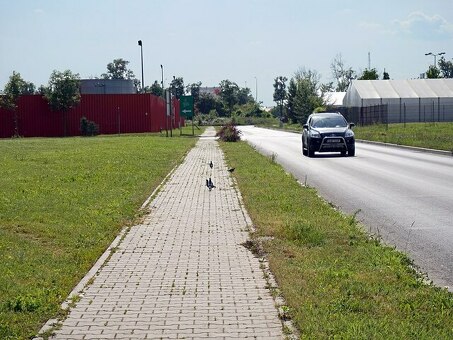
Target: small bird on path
(231, 170)
(209, 184)
(211, 165)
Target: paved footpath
(183, 272)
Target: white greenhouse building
(415, 100)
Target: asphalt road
(404, 196)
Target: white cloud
(422, 26)
(38, 11)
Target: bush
(88, 128)
(229, 133)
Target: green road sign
(186, 103)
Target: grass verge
(338, 281)
(62, 203)
(438, 136)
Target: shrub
(229, 133)
(23, 304)
(88, 128)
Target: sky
(249, 42)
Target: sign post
(168, 111)
(186, 104)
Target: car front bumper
(332, 144)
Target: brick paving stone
(182, 272)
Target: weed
(304, 234)
(73, 300)
(273, 158)
(353, 220)
(23, 303)
(284, 313)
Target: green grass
(337, 281)
(437, 136)
(62, 203)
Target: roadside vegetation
(338, 282)
(62, 202)
(437, 136)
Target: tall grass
(62, 203)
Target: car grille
(332, 135)
(333, 143)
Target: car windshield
(329, 122)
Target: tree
(306, 94)
(280, 93)
(433, 72)
(244, 96)
(291, 101)
(342, 74)
(118, 70)
(251, 109)
(206, 103)
(194, 90)
(177, 87)
(369, 75)
(385, 76)
(63, 92)
(446, 67)
(155, 89)
(15, 88)
(229, 94)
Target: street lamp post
(280, 81)
(172, 108)
(162, 82)
(256, 89)
(435, 56)
(141, 50)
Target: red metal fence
(113, 113)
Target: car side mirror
(351, 125)
(305, 126)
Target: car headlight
(349, 133)
(315, 134)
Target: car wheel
(310, 152)
(304, 151)
(351, 152)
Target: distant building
(214, 91)
(334, 99)
(414, 100)
(107, 86)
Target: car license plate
(333, 140)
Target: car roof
(326, 114)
